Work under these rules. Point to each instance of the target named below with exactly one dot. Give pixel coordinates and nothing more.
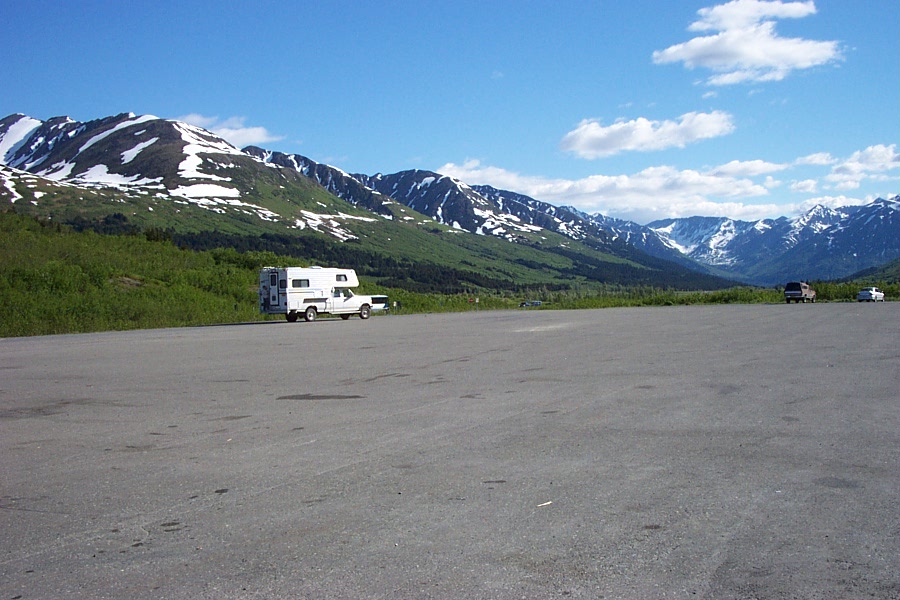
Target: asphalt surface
(674, 452)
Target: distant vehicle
(530, 303)
(296, 291)
(799, 291)
(870, 294)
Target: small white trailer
(310, 291)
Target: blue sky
(637, 109)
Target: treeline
(659, 274)
(834, 291)
(414, 276)
(418, 276)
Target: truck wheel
(310, 314)
(291, 317)
(364, 311)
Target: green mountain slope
(138, 173)
(281, 210)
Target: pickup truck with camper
(799, 291)
(311, 291)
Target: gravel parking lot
(716, 452)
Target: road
(746, 451)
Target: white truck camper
(310, 291)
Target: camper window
(282, 284)
(341, 277)
(300, 283)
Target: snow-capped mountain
(823, 243)
(458, 205)
(332, 179)
(725, 242)
(172, 166)
(169, 166)
(103, 152)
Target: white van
(309, 291)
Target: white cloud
(870, 163)
(873, 158)
(733, 189)
(744, 13)
(748, 168)
(664, 191)
(807, 186)
(844, 184)
(593, 140)
(654, 193)
(771, 183)
(231, 129)
(198, 120)
(830, 202)
(746, 47)
(819, 159)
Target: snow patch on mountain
(58, 171)
(16, 136)
(130, 155)
(222, 205)
(501, 224)
(718, 244)
(706, 239)
(99, 174)
(6, 176)
(205, 190)
(199, 141)
(329, 223)
(124, 124)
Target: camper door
(277, 290)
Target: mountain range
(165, 174)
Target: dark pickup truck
(799, 291)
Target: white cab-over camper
(309, 291)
